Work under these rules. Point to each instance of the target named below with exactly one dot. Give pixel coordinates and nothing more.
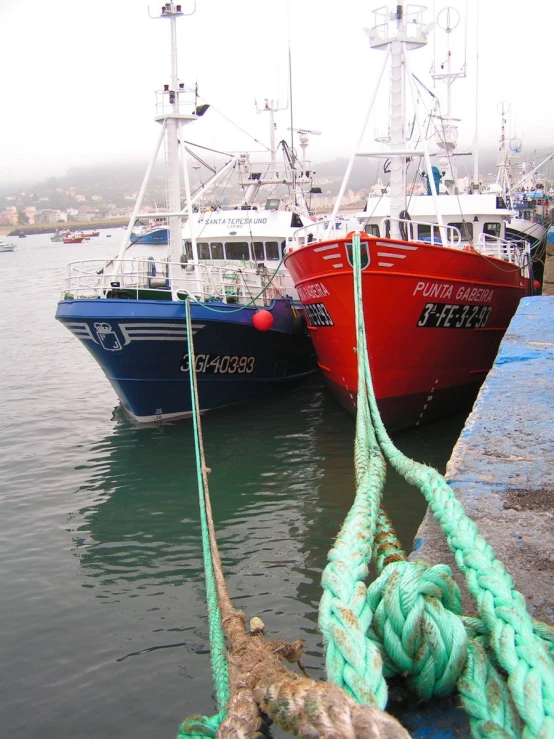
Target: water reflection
(282, 481)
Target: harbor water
(103, 618)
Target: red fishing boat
(437, 294)
(74, 239)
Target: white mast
(447, 136)
(408, 33)
(173, 119)
(504, 176)
(169, 114)
(272, 107)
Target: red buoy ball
(536, 285)
(262, 320)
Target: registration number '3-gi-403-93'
(318, 315)
(214, 364)
(446, 315)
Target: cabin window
(259, 251)
(237, 250)
(492, 229)
(187, 249)
(217, 250)
(424, 233)
(500, 204)
(465, 229)
(372, 229)
(203, 249)
(296, 221)
(272, 249)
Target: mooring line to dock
(409, 620)
(252, 682)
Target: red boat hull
(434, 319)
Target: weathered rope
(198, 726)
(252, 678)
(412, 612)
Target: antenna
(271, 107)
(304, 141)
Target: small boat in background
(73, 239)
(89, 234)
(155, 234)
(22, 234)
(4, 246)
(60, 234)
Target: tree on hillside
(22, 217)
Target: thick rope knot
(417, 627)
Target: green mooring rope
(202, 726)
(409, 620)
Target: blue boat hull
(152, 237)
(142, 347)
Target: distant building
(47, 216)
(31, 213)
(9, 216)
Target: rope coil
(408, 621)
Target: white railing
(141, 278)
(323, 230)
(438, 235)
(516, 252)
(329, 229)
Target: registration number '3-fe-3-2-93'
(446, 315)
(318, 315)
(219, 364)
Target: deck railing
(142, 278)
(328, 229)
(516, 252)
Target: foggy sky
(78, 79)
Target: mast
(447, 136)
(476, 186)
(503, 178)
(397, 128)
(170, 114)
(409, 33)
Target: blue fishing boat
(248, 328)
(150, 235)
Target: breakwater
(45, 228)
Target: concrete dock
(502, 467)
(548, 277)
(502, 470)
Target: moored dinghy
(436, 300)
(249, 332)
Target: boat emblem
(365, 258)
(107, 337)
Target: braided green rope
(413, 611)
(352, 660)
(502, 609)
(200, 726)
